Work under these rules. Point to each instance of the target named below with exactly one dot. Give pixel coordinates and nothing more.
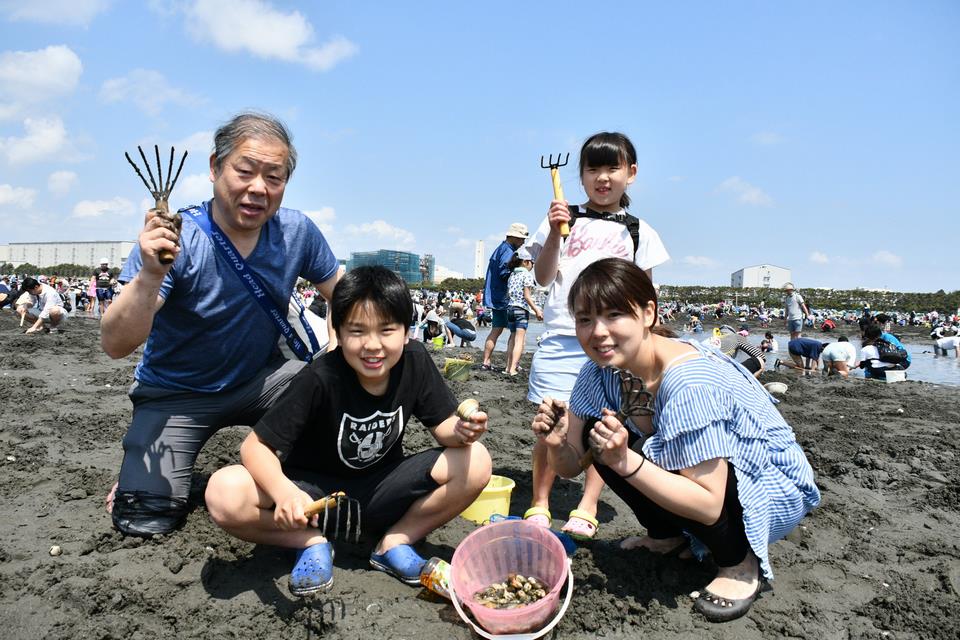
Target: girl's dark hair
(871, 333)
(382, 288)
(607, 149)
(615, 284)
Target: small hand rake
(338, 503)
(634, 401)
(557, 187)
(161, 195)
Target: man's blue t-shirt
(806, 347)
(495, 288)
(211, 334)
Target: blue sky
(819, 136)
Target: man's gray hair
(252, 125)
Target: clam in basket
(489, 555)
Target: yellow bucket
(495, 498)
(456, 369)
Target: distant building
(403, 263)
(428, 268)
(479, 267)
(50, 254)
(761, 275)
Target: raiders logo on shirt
(363, 441)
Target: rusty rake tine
(347, 536)
(336, 526)
(357, 536)
(167, 187)
(179, 169)
(326, 514)
(155, 190)
(137, 169)
(156, 150)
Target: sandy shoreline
(879, 559)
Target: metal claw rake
(634, 401)
(554, 167)
(161, 191)
(336, 503)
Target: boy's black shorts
(385, 494)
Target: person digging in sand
(340, 427)
(705, 454)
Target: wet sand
(880, 558)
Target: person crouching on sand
(713, 460)
(339, 426)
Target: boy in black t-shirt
(339, 426)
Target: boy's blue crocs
(402, 562)
(313, 571)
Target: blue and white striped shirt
(711, 407)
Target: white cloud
(200, 143)
(147, 89)
(819, 258)
(746, 193)
(45, 138)
(766, 138)
(454, 231)
(323, 218)
(193, 189)
(258, 28)
(465, 242)
(69, 12)
(98, 208)
(60, 182)
(19, 197)
(31, 77)
(384, 232)
(887, 259)
(700, 261)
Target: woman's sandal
(717, 609)
(581, 526)
(539, 516)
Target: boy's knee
(225, 493)
(481, 466)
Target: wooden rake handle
(558, 195)
(165, 256)
(325, 502)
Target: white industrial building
(479, 265)
(49, 254)
(761, 275)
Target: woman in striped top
(711, 460)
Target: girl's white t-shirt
(590, 240)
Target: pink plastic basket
(514, 546)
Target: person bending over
(712, 460)
(49, 303)
(839, 357)
(804, 353)
(340, 427)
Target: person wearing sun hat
(794, 310)
(495, 289)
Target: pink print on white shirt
(610, 244)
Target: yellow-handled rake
(557, 187)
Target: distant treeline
(773, 298)
(60, 270)
(818, 298)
